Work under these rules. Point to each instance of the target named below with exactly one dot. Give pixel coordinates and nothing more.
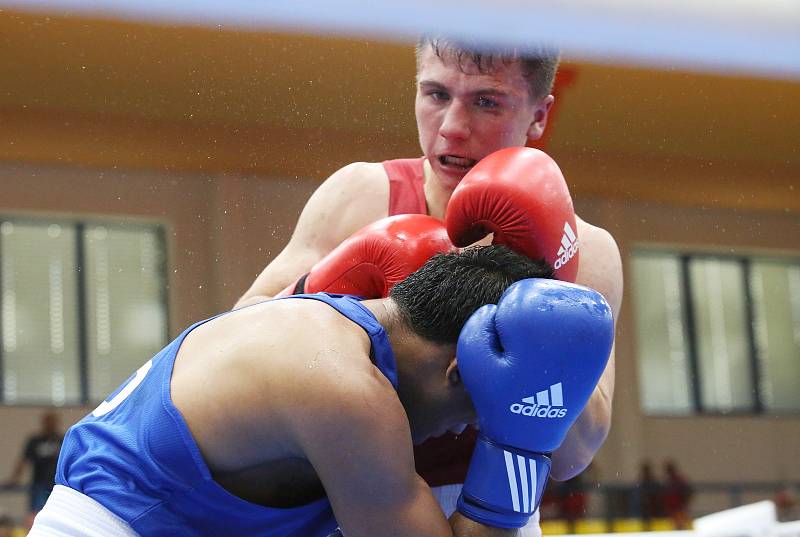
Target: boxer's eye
(437, 95)
(484, 102)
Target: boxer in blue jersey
(294, 416)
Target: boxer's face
(464, 115)
(440, 405)
(447, 419)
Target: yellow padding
(590, 525)
(597, 525)
(624, 525)
(554, 527)
(662, 524)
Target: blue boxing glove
(530, 364)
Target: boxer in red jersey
(468, 105)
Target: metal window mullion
(2, 344)
(750, 317)
(161, 234)
(82, 301)
(691, 335)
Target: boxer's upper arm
(351, 198)
(600, 264)
(601, 269)
(361, 450)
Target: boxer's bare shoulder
(351, 198)
(354, 196)
(600, 264)
(251, 383)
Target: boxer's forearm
(465, 527)
(589, 431)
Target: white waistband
(69, 513)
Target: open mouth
(456, 163)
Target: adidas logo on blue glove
(545, 404)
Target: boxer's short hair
(438, 298)
(539, 64)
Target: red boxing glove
(520, 195)
(376, 257)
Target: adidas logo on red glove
(568, 248)
(520, 196)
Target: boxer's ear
(453, 374)
(541, 112)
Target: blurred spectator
(6, 526)
(9, 527)
(649, 494)
(549, 507)
(677, 495)
(573, 500)
(785, 503)
(41, 454)
(568, 500)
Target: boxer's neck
(417, 358)
(436, 193)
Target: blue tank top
(135, 455)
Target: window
(717, 334)
(664, 369)
(83, 305)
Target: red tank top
(443, 460)
(406, 186)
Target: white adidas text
(547, 403)
(538, 411)
(568, 248)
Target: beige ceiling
(247, 80)
(177, 73)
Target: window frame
(688, 316)
(160, 229)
